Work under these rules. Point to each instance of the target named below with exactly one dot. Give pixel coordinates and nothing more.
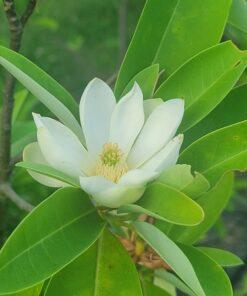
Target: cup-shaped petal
(32, 153)
(108, 194)
(127, 119)
(165, 158)
(61, 148)
(96, 107)
(158, 130)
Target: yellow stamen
(112, 164)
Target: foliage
(74, 248)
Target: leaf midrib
(166, 31)
(46, 237)
(98, 257)
(211, 86)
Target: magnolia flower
(127, 144)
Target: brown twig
(16, 25)
(28, 12)
(8, 192)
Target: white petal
(166, 158)
(127, 119)
(108, 194)
(149, 106)
(137, 177)
(95, 184)
(158, 130)
(33, 154)
(61, 148)
(96, 107)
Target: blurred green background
(76, 41)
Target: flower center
(111, 164)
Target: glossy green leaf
(231, 110)
(213, 203)
(34, 291)
(146, 79)
(181, 178)
(151, 290)
(204, 81)
(48, 171)
(166, 203)
(105, 269)
(222, 257)
(220, 151)
(42, 86)
(236, 28)
(50, 237)
(212, 277)
(174, 280)
(163, 32)
(171, 254)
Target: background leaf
(19, 100)
(213, 203)
(222, 257)
(204, 81)
(42, 86)
(236, 28)
(146, 79)
(150, 290)
(218, 152)
(23, 133)
(212, 277)
(170, 253)
(56, 232)
(34, 291)
(174, 280)
(105, 269)
(232, 109)
(168, 25)
(181, 178)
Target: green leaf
(23, 133)
(181, 178)
(50, 237)
(48, 171)
(231, 110)
(34, 291)
(173, 280)
(18, 146)
(146, 79)
(19, 100)
(45, 88)
(151, 290)
(204, 81)
(211, 276)
(164, 285)
(105, 269)
(222, 257)
(236, 28)
(171, 254)
(213, 203)
(166, 203)
(220, 151)
(163, 32)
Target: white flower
(128, 144)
